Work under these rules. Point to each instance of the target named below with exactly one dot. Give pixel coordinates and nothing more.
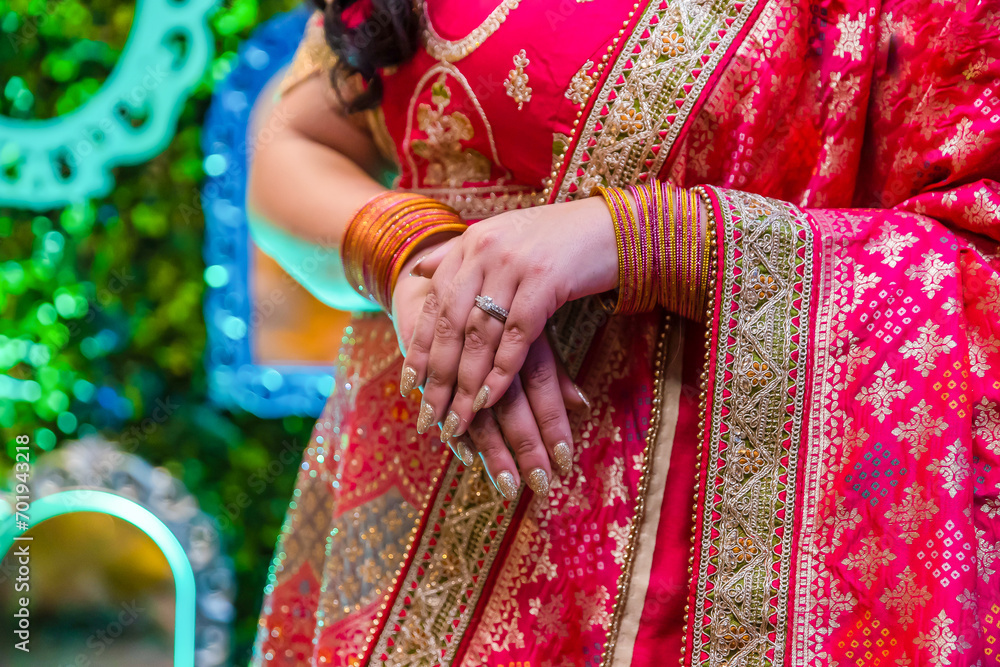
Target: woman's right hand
(529, 423)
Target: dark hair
(385, 36)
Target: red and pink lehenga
(808, 477)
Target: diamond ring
(491, 308)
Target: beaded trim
(635, 526)
(454, 50)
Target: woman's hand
(530, 418)
(529, 261)
(529, 423)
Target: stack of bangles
(666, 246)
(384, 233)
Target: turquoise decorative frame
(235, 381)
(81, 500)
(64, 160)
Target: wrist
(384, 234)
(664, 247)
(422, 249)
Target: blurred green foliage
(101, 327)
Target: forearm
(312, 169)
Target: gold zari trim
(744, 546)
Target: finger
(482, 336)
(524, 325)
(513, 413)
(489, 442)
(462, 447)
(418, 351)
(428, 264)
(573, 396)
(540, 377)
(457, 301)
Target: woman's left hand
(529, 261)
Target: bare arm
(312, 167)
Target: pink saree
(808, 478)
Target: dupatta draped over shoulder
(809, 478)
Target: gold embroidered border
(476, 203)
(744, 547)
(649, 93)
(439, 593)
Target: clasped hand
(498, 383)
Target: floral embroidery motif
(919, 431)
(672, 44)
(849, 43)
(759, 373)
(841, 521)
(881, 393)
(854, 437)
(594, 607)
(744, 550)
(987, 551)
(612, 481)
(927, 347)
(856, 358)
(620, 534)
(631, 120)
(451, 164)
(931, 272)
(981, 348)
(517, 81)
(906, 597)
(736, 637)
(581, 85)
(986, 209)
(891, 244)
(987, 424)
(908, 515)
(992, 507)
(869, 559)
(750, 461)
(846, 89)
(763, 284)
(964, 143)
(940, 642)
(953, 468)
(549, 614)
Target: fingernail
(481, 398)
(538, 482)
(583, 396)
(416, 266)
(426, 417)
(407, 381)
(563, 456)
(506, 485)
(450, 426)
(463, 451)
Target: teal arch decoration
(82, 500)
(64, 160)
